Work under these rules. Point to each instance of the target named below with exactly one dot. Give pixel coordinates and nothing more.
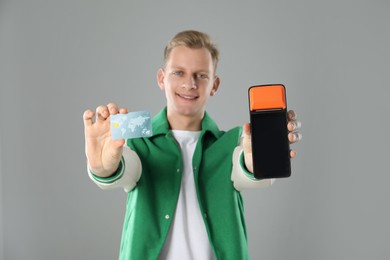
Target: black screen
(270, 145)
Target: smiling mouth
(187, 97)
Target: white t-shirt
(187, 237)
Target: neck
(183, 122)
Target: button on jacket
(151, 170)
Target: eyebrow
(197, 71)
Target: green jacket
(152, 201)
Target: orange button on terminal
(267, 97)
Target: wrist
(114, 176)
(104, 173)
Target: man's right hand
(103, 153)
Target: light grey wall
(58, 58)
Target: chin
(190, 112)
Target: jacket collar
(161, 125)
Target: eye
(202, 76)
(178, 73)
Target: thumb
(246, 130)
(247, 146)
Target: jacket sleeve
(127, 175)
(241, 177)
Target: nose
(190, 83)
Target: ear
(217, 82)
(160, 78)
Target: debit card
(131, 125)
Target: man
(184, 182)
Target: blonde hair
(194, 40)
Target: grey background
(58, 58)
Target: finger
(291, 115)
(102, 113)
(88, 117)
(113, 108)
(294, 137)
(123, 110)
(293, 153)
(294, 125)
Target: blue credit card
(131, 125)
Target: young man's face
(188, 80)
